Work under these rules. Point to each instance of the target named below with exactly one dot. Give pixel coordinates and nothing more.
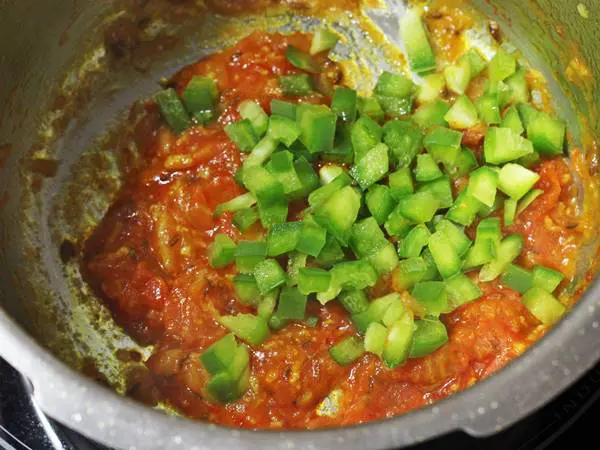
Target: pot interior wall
(41, 215)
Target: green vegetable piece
(296, 85)
(409, 272)
(465, 209)
(528, 199)
(414, 36)
(301, 60)
(355, 302)
(296, 261)
(283, 108)
(399, 341)
(354, 275)
(429, 335)
(440, 189)
(292, 304)
(317, 126)
(370, 107)
(462, 114)
(432, 88)
(323, 40)
(507, 252)
(248, 254)
(546, 278)
(344, 103)
(242, 135)
(547, 134)
(432, 114)
(419, 207)
(517, 278)
(283, 238)
(368, 242)
(245, 218)
(502, 145)
(458, 76)
(219, 356)
(221, 251)
(282, 167)
(312, 280)
(413, 243)
(312, 239)
(260, 153)
(200, 96)
(269, 275)
(404, 140)
(543, 305)
(510, 211)
(455, 236)
(502, 66)
(338, 213)
(515, 180)
(527, 113)
(364, 135)
(461, 290)
(375, 338)
(331, 253)
(519, 90)
(248, 327)
(395, 94)
(173, 111)
(283, 130)
(320, 195)
(239, 203)
(476, 61)
(483, 184)
(267, 304)
(252, 111)
(446, 258)
(246, 289)
(347, 351)
(488, 107)
(401, 183)
(380, 202)
(512, 120)
(465, 163)
(486, 242)
(433, 296)
(375, 311)
(397, 225)
(443, 145)
(427, 169)
(372, 167)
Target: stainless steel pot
(50, 325)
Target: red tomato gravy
(147, 260)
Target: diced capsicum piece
(455, 236)
(401, 183)
(488, 107)
(246, 289)
(342, 151)
(380, 202)
(547, 134)
(323, 40)
(317, 127)
(443, 144)
(365, 134)
(270, 195)
(546, 278)
(487, 239)
(461, 289)
(543, 305)
(519, 90)
(283, 130)
(440, 189)
(372, 167)
(260, 153)
(200, 96)
(413, 243)
(399, 341)
(370, 107)
(355, 302)
(414, 36)
(508, 250)
(312, 239)
(502, 65)
(394, 312)
(221, 251)
(242, 135)
(512, 120)
(344, 103)
(375, 338)
(395, 94)
(248, 327)
(283, 108)
(375, 311)
(269, 275)
(432, 114)
(222, 388)
(465, 209)
(354, 275)
(313, 280)
(172, 110)
(308, 179)
(219, 356)
(527, 113)
(331, 253)
(477, 62)
(517, 278)
(296, 261)
(404, 140)
(296, 85)
(368, 242)
(292, 304)
(253, 112)
(515, 180)
(426, 169)
(458, 76)
(433, 296)
(248, 254)
(483, 184)
(397, 225)
(510, 211)
(431, 88)
(409, 272)
(283, 238)
(267, 303)
(347, 351)
(429, 335)
(502, 145)
(444, 254)
(465, 163)
(302, 60)
(245, 218)
(419, 207)
(282, 167)
(462, 114)
(338, 213)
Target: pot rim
(524, 385)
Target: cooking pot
(59, 92)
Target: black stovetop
(571, 416)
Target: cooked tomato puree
(148, 260)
